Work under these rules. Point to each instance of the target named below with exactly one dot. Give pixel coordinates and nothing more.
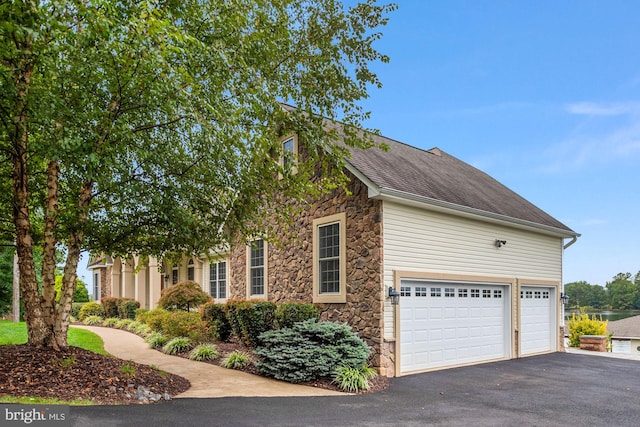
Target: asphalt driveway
(556, 389)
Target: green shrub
(232, 316)
(131, 327)
(110, 322)
(235, 360)
(177, 345)
(123, 323)
(216, 317)
(91, 309)
(154, 318)
(142, 329)
(156, 339)
(289, 313)
(110, 305)
(183, 296)
(204, 352)
(254, 318)
(582, 324)
(140, 313)
(127, 308)
(310, 350)
(186, 324)
(92, 320)
(75, 309)
(353, 379)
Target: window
(421, 291)
(436, 292)
(190, 270)
(218, 280)
(174, 274)
(462, 293)
(257, 268)
(486, 293)
(288, 151)
(497, 293)
(537, 294)
(96, 286)
(449, 292)
(329, 249)
(405, 291)
(475, 293)
(545, 294)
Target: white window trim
(208, 279)
(265, 268)
(96, 286)
(191, 265)
(341, 296)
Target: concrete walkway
(206, 380)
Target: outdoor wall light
(564, 298)
(500, 243)
(394, 295)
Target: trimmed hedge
(253, 318)
(127, 308)
(154, 318)
(216, 317)
(90, 309)
(289, 313)
(110, 305)
(310, 350)
(186, 324)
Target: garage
(537, 327)
(445, 323)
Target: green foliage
(90, 309)
(75, 309)
(310, 350)
(156, 339)
(582, 324)
(65, 362)
(231, 308)
(142, 329)
(186, 324)
(128, 370)
(123, 323)
(253, 318)
(353, 379)
(183, 296)
(110, 305)
(289, 313)
(204, 352)
(141, 312)
(80, 294)
(110, 322)
(127, 308)
(93, 320)
(6, 279)
(235, 360)
(216, 317)
(154, 318)
(177, 345)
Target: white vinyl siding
(427, 241)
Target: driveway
(555, 389)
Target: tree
(583, 294)
(623, 293)
(80, 294)
(153, 128)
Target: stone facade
(290, 265)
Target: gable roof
(436, 178)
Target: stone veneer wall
(105, 281)
(289, 267)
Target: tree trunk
(49, 251)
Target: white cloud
(595, 109)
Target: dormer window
(290, 153)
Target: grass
(16, 333)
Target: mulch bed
(75, 373)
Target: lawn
(16, 333)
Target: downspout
(571, 242)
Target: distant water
(607, 315)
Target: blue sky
(542, 95)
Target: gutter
(571, 242)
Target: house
(475, 268)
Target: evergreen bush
(255, 317)
(289, 313)
(75, 309)
(110, 305)
(90, 309)
(310, 350)
(216, 317)
(127, 308)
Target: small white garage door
(537, 320)
(445, 324)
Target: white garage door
(444, 324)
(537, 320)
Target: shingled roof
(435, 176)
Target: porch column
(128, 281)
(155, 282)
(140, 283)
(116, 278)
(197, 272)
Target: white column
(140, 283)
(116, 278)
(128, 279)
(155, 282)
